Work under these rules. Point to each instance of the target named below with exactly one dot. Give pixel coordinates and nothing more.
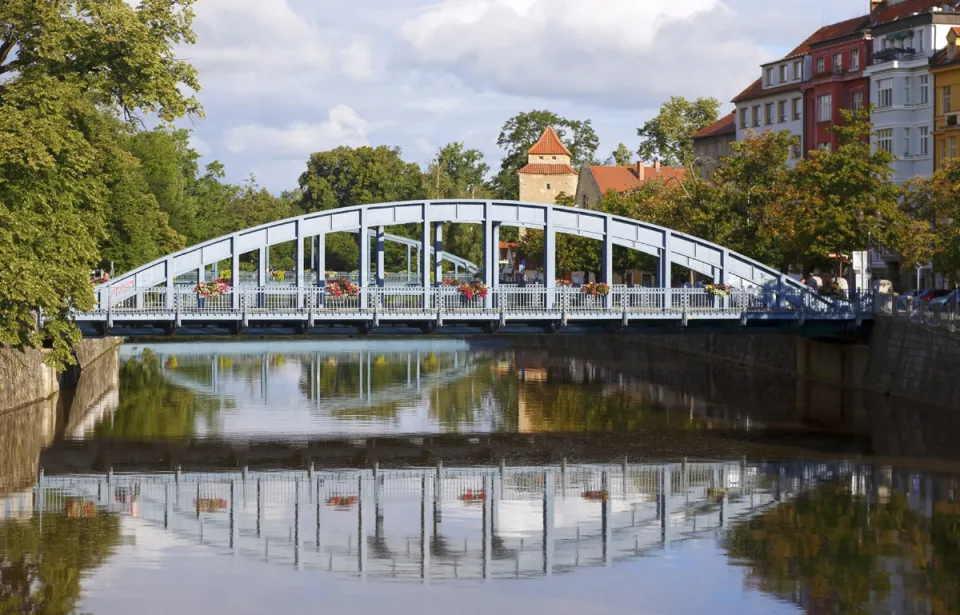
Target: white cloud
(203, 148)
(298, 139)
(357, 61)
(626, 54)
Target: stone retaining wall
(26, 379)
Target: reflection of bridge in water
(442, 523)
(418, 382)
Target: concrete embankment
(901, 358)
(26, 379)
(30, 395)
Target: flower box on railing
(719, 290)
(342, 287)
(473, 290)
(598, 289)
(204, 290)
(596, 495)
(343, 501)
(471, 497)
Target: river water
(440, 475)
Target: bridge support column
(664, 273)
(424, 257)
(607, 261)
(381, 274)
(300, 258)
(720, 277)
(549, 258)
(666, 493)
(409, 262)
(606, 518)
(426, 497)
(321, 266)
(364, 240)
(171, 298)
(263, 266)
(438, 254)
(235, 273)
(491, 252)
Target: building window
(885, 140)
(953, 146)
(554, 157)
(884, 93)
(797, 69)
(783, 73)
(820, 65)
(856, 101)
(769, 76)
(837, 63)
(782, 111)
(826, 146)
(924, 92)
(946, 99)
(797, 108)
(919, 41)
(924, 140)
(824, 108)
(795, 151)
(769, 113)
(906, 142)
(854, 60)
(756, 116)
(743, 117)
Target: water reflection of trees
(833, 552)
(151, 407)
(41, 564)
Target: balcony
(893, 53)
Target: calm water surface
(737, 493)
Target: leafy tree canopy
(667, 137)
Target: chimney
(639, 170)
(656, 165)
(875, 4)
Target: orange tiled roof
(623, 179)
(664, 173)
(620, 179)
(727, 125)
(843, 28)
(549, 144)
(888, 13)
(547, 169)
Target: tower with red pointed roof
(548, 172)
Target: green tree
(169, 165)
(347, 176)
(845, 197)
(621, 157)
(62, 65)
(520, 132)
(43, 563)
(935, 235)
(458, 173)
(667, 137)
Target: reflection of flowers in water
(343, 502)
(211, 505)
(225, 362)
(471, 497)
(431, 360)
(598, 495)
(171, 362)
(381, 361)
(278, 360)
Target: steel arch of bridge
(669, 246)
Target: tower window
(548, 186)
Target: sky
(284, 78)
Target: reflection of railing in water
(458, 523)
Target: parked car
(949, 300)
(930, 295)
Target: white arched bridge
(151, 296)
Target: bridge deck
(417, 305)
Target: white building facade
(902, 89)
(775, 102)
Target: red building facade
(837, 82)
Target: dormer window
(951, 49)
(541, 157)
(783, 73)
(820, 64)
(554, 157)
(797, 69)
(770, 76)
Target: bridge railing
(508, 299)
